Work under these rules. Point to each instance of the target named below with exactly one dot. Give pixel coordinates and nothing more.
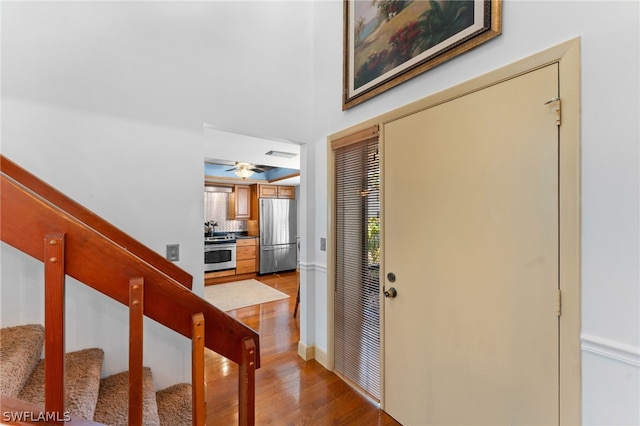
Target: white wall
(103, 163)
(106, 101)
(610, 166)
(242, 66)
(103, 86)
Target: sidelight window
(356, 239)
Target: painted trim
(611, 349)
(306, 352)
(322, 357)
(313, 267)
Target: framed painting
(387, 42)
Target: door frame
(567, 55)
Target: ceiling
(223, 148)
(182, 65)
(175, 64)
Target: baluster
(136, 316)
(54, 280)
(247, 385)
(197, 369)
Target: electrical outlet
(173, 252)
(323, 244)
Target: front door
(471, 235)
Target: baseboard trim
(322, 358)
(611, 349)
(312, 352)
(305, 352)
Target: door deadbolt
(391, 277)
(391, 293)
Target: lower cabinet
(246, 255)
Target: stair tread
(82, 379)
(175, 405)
(20, 352)
(113, 400)
(87, 396)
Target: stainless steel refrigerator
(278, 229)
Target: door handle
(391, 293)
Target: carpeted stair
(174, 404)
(20, 350)
(103, 400)
(82, 379)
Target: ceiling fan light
(243, 172)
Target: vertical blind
(357, 256)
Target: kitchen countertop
(236, 235)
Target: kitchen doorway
(241, 170)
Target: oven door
(219, 256)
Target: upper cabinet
(268, 191)
(286, 192)
(240, 202)
(276, 191)
(243, 201)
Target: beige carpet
(240, 294)
(82, 380)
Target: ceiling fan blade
(230, 170)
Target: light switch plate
(173, 252)
(323, 244)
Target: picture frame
(387, 42)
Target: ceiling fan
(244, 170)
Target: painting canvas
(390, 41)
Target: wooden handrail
(86, 216)
(103, 265)
(93, 253)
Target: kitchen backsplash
(215, 209)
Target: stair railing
(71, 207)
(79, 244)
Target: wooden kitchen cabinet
(286, 192)
(268, 191)
(240, 203)
(277, 191)
(246, 255)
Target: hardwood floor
(289, 391)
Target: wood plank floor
(289, 391)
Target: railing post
(136, 317)
(197, 369)
(247, 383)
(54, 278)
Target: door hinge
(558, 108)
(559, 306)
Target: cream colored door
(471, 234)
